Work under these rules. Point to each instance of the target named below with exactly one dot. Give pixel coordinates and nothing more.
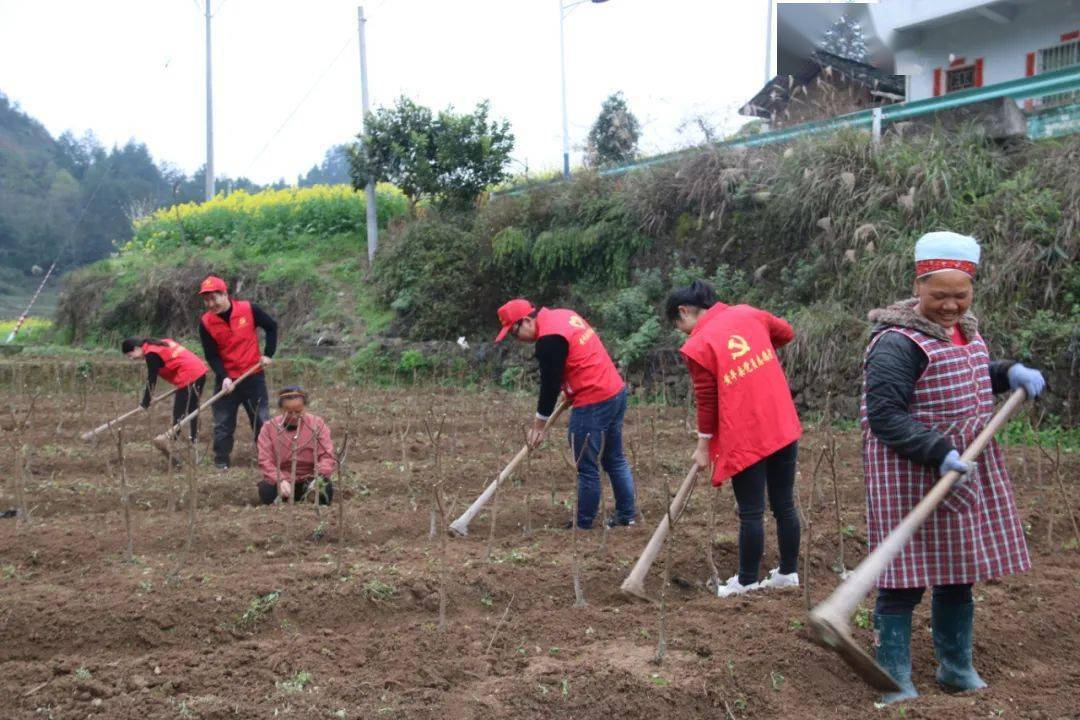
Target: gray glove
(952, 461)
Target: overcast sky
(134, 69)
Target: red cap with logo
(510, 313)
(213, 284)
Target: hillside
(299, 251)
(820, 232)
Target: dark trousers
(601, 424)
(251, 395)
(902, 601)
(185, 401)
(774, 476)
(268, 493)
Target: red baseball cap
(510, 313)
(213, 284)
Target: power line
(310, 90)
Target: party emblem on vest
(738, 345)
(577, 322)
(241, 321)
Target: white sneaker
(734, 587)
(778, 580)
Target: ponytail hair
(699, 294)
(131, 343)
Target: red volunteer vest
(590, 376)
(237, 340)
(757, 416)
(182, 367)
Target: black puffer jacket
(893, 367)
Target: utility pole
(562, 69)
(372, 221)
(768, 53)
(209, 115)
(769, 42)
(565, 9)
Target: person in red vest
(748, 429)
(178, 366)
(572, 357)
(231, 347)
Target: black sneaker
(221, 465)
(570, 526)
(614, 521)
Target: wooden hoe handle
(460, 527)
(634, 584)
(117, 420)
(217, 396)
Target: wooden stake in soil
(21, 476)
(714, 572)
(502, 620)
(342, 453)
(435, 437)
(189, 541)
(809, 542)
(125, 501)
(661, 635)
(574, 461)
(1064, 494)
(841, 566)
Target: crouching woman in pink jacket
(296, 455)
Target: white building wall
(1003, 46)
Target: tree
(447, 158)
(333, 170)
(845, 38)
(614, 136)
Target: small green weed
(295, 684)
(658, 679)
(257, 610)
(377, 591)
(862, 618)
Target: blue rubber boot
(953, 627)
(893, 653)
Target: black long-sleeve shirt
(893, 367)
(154, 363)
(262, 320)
(551, 354)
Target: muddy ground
(283, 612)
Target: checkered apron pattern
(976, 533)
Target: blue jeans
(602, 423)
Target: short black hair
(699, 294)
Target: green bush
(433, 274)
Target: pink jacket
(311, 442)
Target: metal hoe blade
(839, 640)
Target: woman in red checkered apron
(929, 389)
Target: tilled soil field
(284, 611)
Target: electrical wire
(300, 104)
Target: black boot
(953, 627)
(893, 653)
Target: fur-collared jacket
(891, 369)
